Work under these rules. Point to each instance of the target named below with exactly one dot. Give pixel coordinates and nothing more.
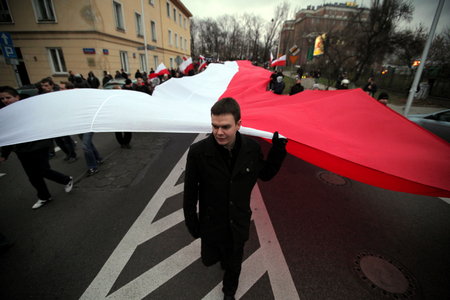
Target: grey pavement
(325, 225)
(419, 109)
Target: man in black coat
(297, 87)
(221, 171)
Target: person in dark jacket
(65, 143)
(93, 81)
(106, 77)
(221, 171)
(279, 85)
(297, 87)
(80, 82)
(34, 158)
(370, 87)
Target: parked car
(437, 122)
(28, 90)
(113, 82)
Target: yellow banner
(319, 45)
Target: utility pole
(145, 37)
(419, 71)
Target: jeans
(67, 145)
(91, 154)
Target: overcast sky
(423, 13)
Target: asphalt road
(120, 234)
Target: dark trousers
(230, 257)
(67, 145)
(124, 138)
(37, 167)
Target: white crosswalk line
(268, 258)
(159, 274)
(137, 234)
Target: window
(151, 2)
(181, 42)
(139, 31)
(170, 37)
(5, 15)
(176, 40)
(185, 44)
(175, 15)
(184, 23)
(44, 10)
(168, 9)
(124, 60)
(171, 62)
(142, 63)
(118, 15)
(57, 60)
(155, 59)
(153, 28)
(179, 19)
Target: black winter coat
(296, 88)
(224, 195)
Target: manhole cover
(332, 179)
(385, 276)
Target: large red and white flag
(186, 66)
(281, 61)
(345, 131)
(161, 70)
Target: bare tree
(373, 38)
(273, 28)
(409, 45)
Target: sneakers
(40, 203)
(92, 171)
(69, 185)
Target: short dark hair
(10, 90)
(227, 106)
(69, 85)
(47, 80)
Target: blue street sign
(7, 45)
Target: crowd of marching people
(35, 156)
(277, 84)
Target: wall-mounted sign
(105, 51)
(7, 45)
(89, 50)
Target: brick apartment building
(313, 21)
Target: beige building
(52, 37)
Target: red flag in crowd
(186, 66)
(161, 70)
(281, 61)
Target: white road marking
(2, 174)
(446, 200)
(268, 258)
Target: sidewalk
(416, 109)
(308, 84)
